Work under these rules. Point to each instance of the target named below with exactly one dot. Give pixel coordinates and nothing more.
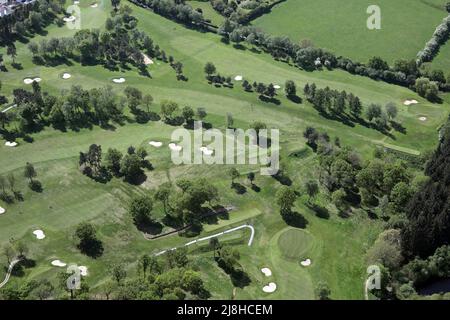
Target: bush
(35, 185)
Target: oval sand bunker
(119, 80)
(39, 234)
(2, 210)
(267, 272)
(271, 287)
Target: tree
(9, 252)
(338, 197)
(290, 88)
(30, 172)
(147, 101)
(447, 7)
(88, 241)
(258, 126)
(144, 263)
(201, 113)
(230, 120)
(312, 189)
(163, 193)
(234, 174)
(21, 249)
(112, 160)
(188, 114)
(427, 89)
(209, 69)
(12, 52)
(323, 291)
(378, 64)
(251, 177)
(400, 195)
(142, 153)
(285, 198)
(387, 250)
(130, 167)
(168, 108)
(391, 110)
(214, 244)
(43, 290)
(115, 4)
(373, 111)
(118, 273)
(140, 209)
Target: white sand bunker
(270, 288)
(69, 19)
(147, 59)
(206, 151)
(2, 210)
(410, 102)
(423, 118)
(83, 270)
(306, 263)
(94, 5)
(30, 81)
(76, 2)
(39, 234)
(277, 86)
(10, 144)
(66, 76)
(155, 144)
(119, 80)
(267, 272)
(175, 147)
(238, 78)
(58, 263)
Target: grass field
(208, 11)
(340, 26)
(69, 197)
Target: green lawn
(69, 197)
(340, 26)
(208, 11)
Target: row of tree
(129, 166)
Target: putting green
(295, 243)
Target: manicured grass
(294, 243)
(208, 11)
(340, 26)
(69, 197)
(442, 60)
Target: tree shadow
(294, 219)
(239, 188)
(321, 212)
(295, 99)
(270, 100)
(93, 248)
(398, 127)
(151, 228)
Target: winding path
(250, 241)
(9, 108)
(8, 273)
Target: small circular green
(295, 243)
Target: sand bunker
(30, 81)
(270, 288)
(410, 102)
(206, 151)
(39, 234)
(58, 263)
(175, 147)
(155, 144)
(66, 76)
(277, 86)
(69, 19)
(10, 144)
(238, 78)
(76, 2)
(147, 60)
(423, 118)
(83, 270)
(119, 80)
(306, 263)
(2, 210)
(267, 272)
(94, 5)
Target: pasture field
(340, 26)
(336, 245)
